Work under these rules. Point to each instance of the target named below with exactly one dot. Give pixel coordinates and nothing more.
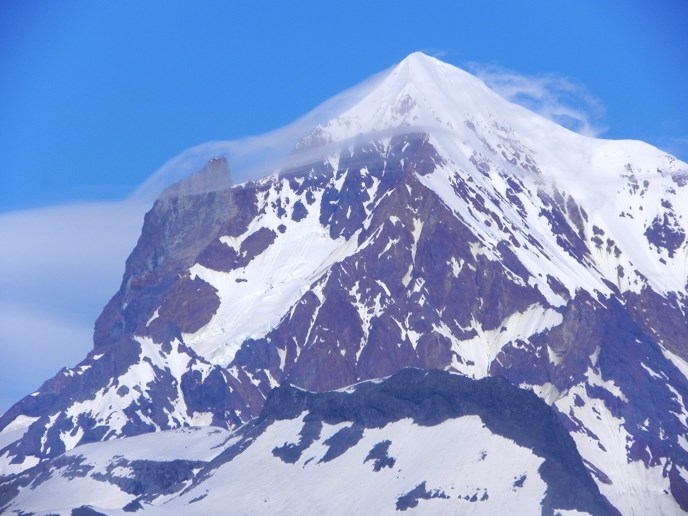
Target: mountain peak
(427, 71)
(420, 92)
(418, 63)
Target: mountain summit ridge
(427, 94)
(492, 246)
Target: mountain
(434, 226)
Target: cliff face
(182, 222)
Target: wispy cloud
(58, 268)
(34, 345)
(555, 97)
(254, 157)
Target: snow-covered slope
(418, 442)
(440, 227)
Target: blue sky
(95, 96)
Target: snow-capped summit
(426, 94)
(435, 226)
(420, 92)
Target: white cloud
(59, 267)
(254, 157)
(552, 96)
(34, 345)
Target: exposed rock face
(180, 225)
(468, 249)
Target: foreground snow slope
(418, 442)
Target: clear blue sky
(94, 96)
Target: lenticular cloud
(254, 157)
(61, 265)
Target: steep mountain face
(419, 442)
(442, 228)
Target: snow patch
(271, 283)
(477, 354)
